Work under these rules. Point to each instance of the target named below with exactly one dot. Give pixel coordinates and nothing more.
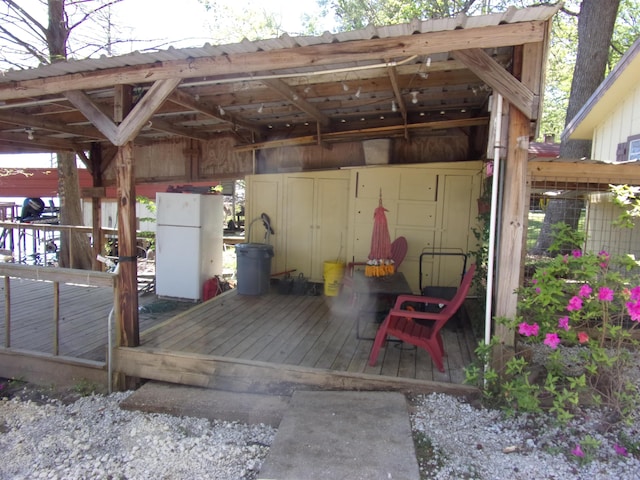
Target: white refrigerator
(188, 243)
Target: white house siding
(623, 122)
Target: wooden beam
(36, 122)
(94, 114)
(39, 142)
(144, 110)
(136, 119)
(393, 77)
(164, 126)
(64, 275)
(45, 369)
(586, 172)
(122, 102)
(290, 94)
(188, 101)
(311, 56)
(351, 134)
(494, 75)
(239, 375)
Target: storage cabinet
(316, 211)
(432, 205)
(309, 214)
(328, 215)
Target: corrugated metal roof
(512, 15)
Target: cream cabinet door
(316, 212)
(300, 223)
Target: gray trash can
(253, 268)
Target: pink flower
(574, 304)
(605, 294)
(577, 451)
(583, 337)
(620, 450)
(634, 310)
(604, 258)
(576, 253)
(535, 280)
(635, 293)
(538, 290)
(528, 330)
(585, 291)
(552, 340)
(563, 322)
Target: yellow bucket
(333, 273)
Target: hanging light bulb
(261, 108)
(414, 97)
(428, 61)
(358, 92)
(29, 132)
(345, 87)
(394, 108)
(221, 110)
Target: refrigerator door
(180, 209)
(178, 262)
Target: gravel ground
(72, 437)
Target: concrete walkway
(321, 435)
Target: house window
(633, 148)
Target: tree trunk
(595, 28)
(75, 249)
(565, 210)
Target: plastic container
(253, 268)
(333, 273)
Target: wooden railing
(56, 276)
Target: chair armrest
(412, 315)
(420, 299)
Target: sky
(181, 23)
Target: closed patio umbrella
(380, 263)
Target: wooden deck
(235, 335)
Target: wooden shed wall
(185, 160)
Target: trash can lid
(254, 246)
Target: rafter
(351, 134)
(35, 122)
(190, 102)
(290, 94)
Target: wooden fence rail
(55, 276)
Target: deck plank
(303, 331)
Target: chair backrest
(455, 303)
(398, 250)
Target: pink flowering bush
(584, 303)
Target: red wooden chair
(421, 329)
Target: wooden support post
(95, 156)
(7, 311)
(513, 226)
(127, 319)
(56, 318)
